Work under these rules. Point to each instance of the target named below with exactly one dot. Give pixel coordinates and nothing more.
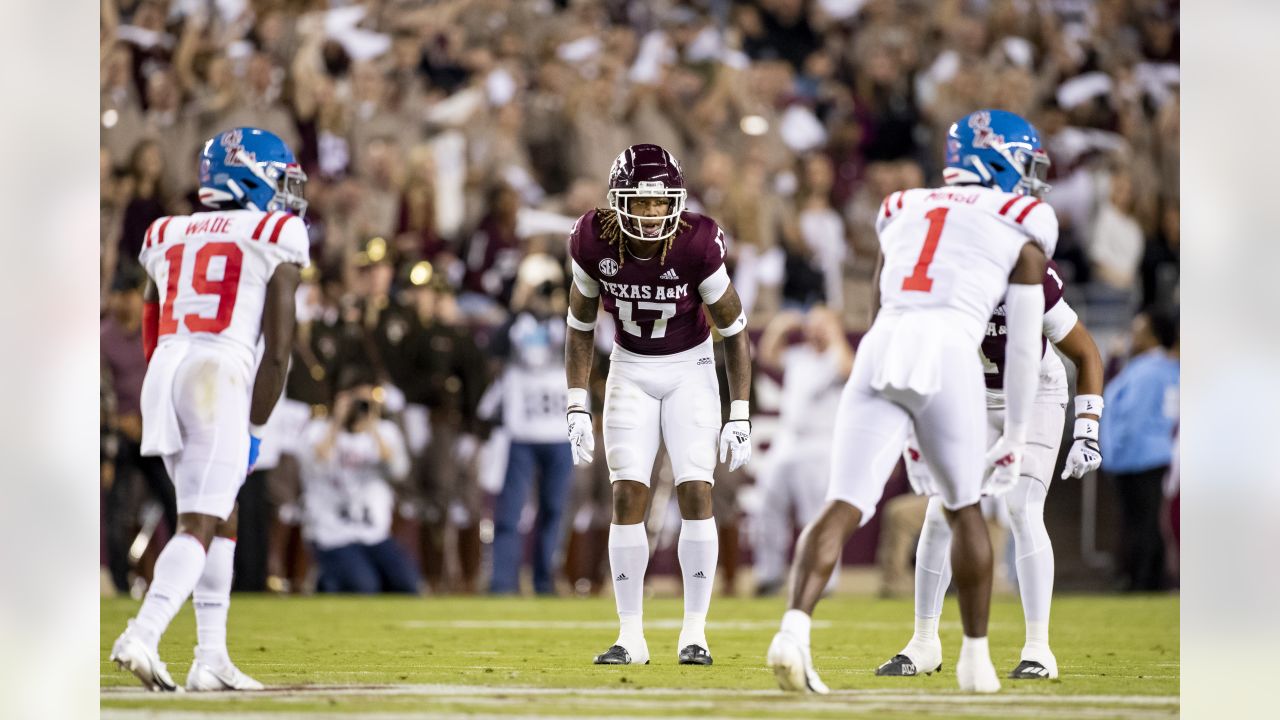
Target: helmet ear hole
(250, 183)
(998, 167)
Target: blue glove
(255, 444)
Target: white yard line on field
(676, 694)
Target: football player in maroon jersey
(654, 266)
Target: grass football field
(340, 657)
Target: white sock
(698, 550)
(628, 559)
(1038, 634)
(975, 649)
(926, 630)
(933, 563)
(177, 570)
(1034, 559)
(797, 623)
(212, 599)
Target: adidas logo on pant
(621, 577)
(700, 575)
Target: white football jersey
(212, 268)
(954, 247)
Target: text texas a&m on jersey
(657, 302)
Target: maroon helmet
(646, 171)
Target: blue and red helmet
(252, 169)
(997, 149)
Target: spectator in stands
(1116, 249)
(352, 460)
(1141, 405)
(530, 387)
(814, 357)
(452, 378)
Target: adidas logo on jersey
(700, 575)
(621, 577)
(669, 275)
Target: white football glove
(1004, 465)
(1085, 456)
(735, 443)
(582, 439)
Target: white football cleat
(130, 653)
(916, 658)
(977, 674)
(793, 666)
(204, 678)
(1038, 663)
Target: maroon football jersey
(993, 345)
(656, 303)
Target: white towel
(909, 354)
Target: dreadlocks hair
(612, 234)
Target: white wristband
(577, 324)
(257, 430)
(735, 327)
(1091, 404)
(739, 410)
(578, 398)
(1085, 429)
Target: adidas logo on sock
(669, 275)
(621, 577)
(700, 575)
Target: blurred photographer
(531, 392)
(350, 461)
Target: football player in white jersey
(219, 282)
(948, 255)
(1025, 502)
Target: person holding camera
(352, 458)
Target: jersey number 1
(225, 289)
(919, 279)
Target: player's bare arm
(1081, 350)
(579, 348)
(278, 318)
(728, 317)
(580, 344)
(1085, 454)
(731, 322)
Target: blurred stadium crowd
(450, 145)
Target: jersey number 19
(201, 284)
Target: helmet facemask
(1034, 167)
(290, 184)
(638, 226)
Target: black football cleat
(1030, 670)
(615, 655)
(902, 666)
(695, 655)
